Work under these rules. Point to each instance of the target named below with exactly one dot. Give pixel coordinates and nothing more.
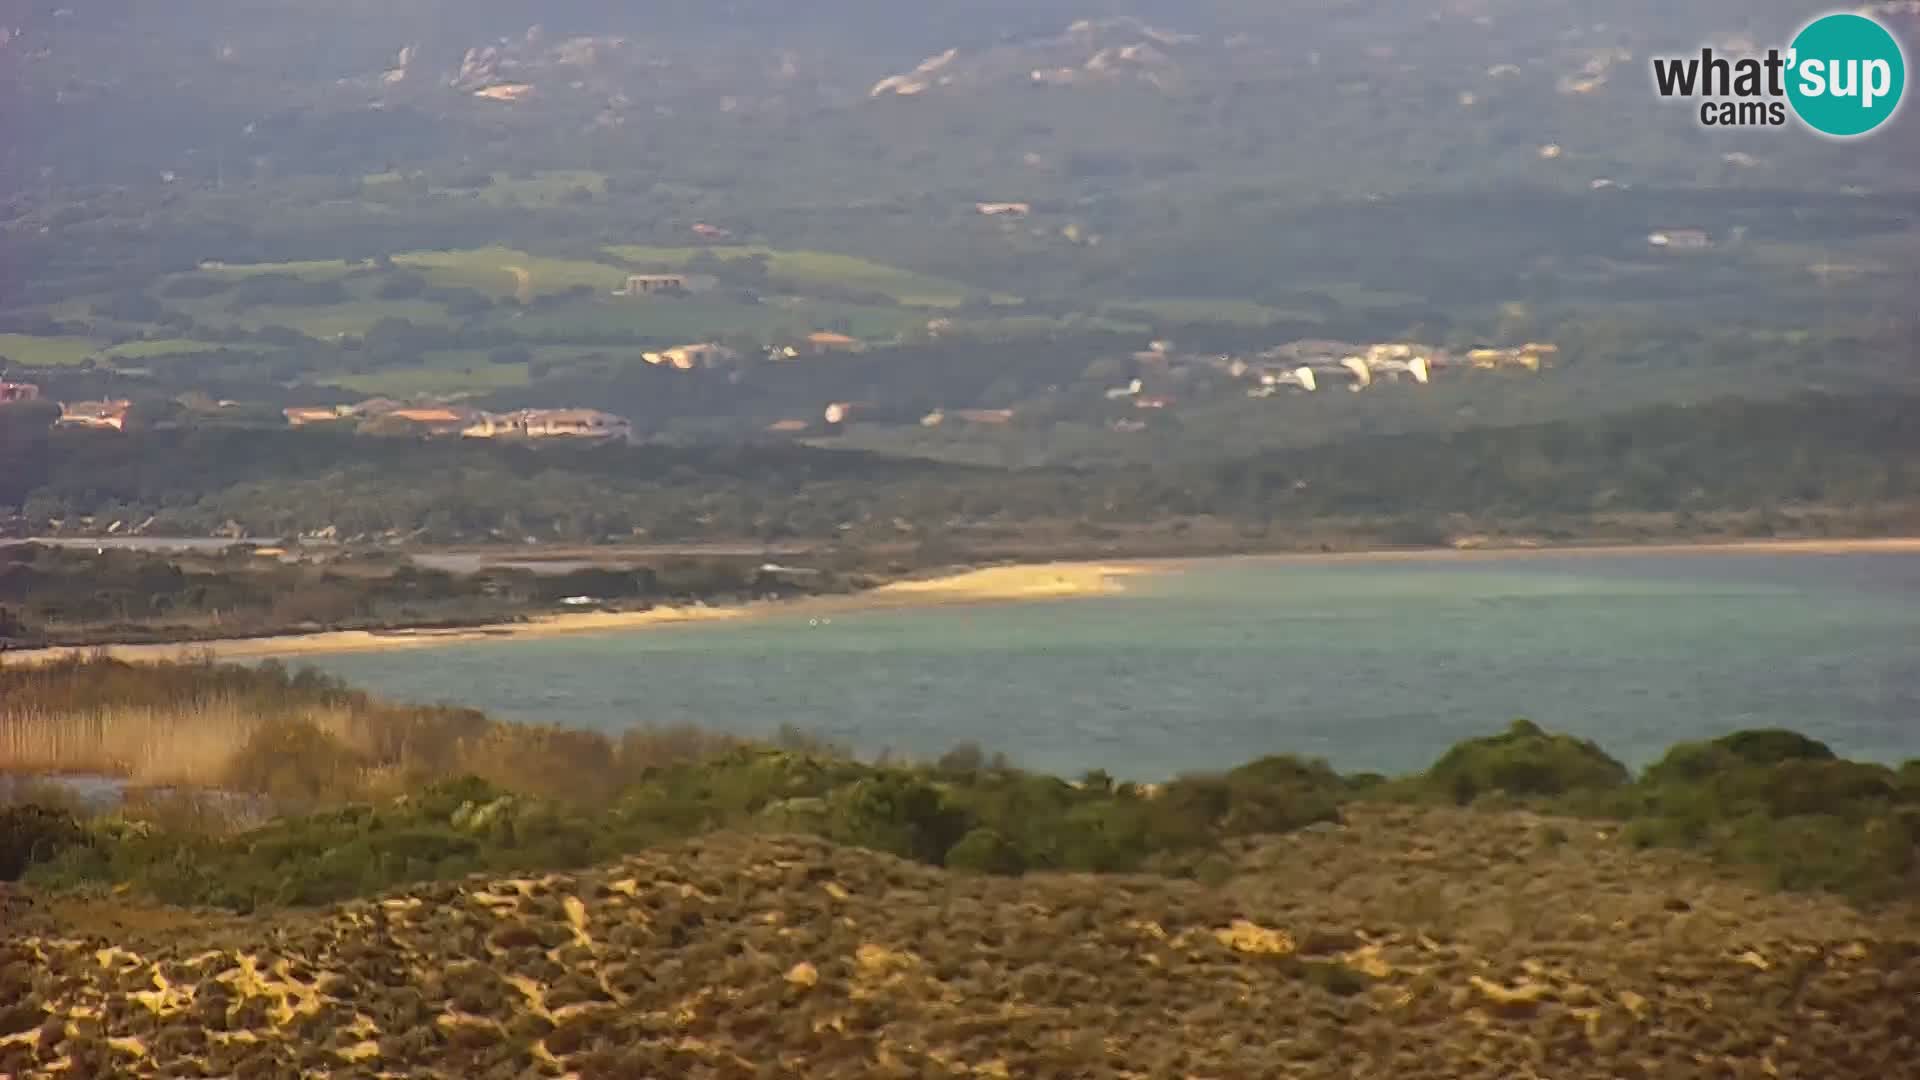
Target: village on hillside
(1159, 373)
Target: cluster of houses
(441, 419)
(709, 354)
(111, 415)
(90, 414)
(1310, 365)
(1298, 367)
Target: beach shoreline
(993, 584)
(1013, 583)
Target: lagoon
(1373, 665)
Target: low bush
(984, 851)
(30, 833)
(1523, 761)
(895, 812)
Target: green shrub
(804, 814)
(964, 759)
(746, 781)
(441, 801)
(1285, 769)
(1108, 836)
(1786, 807)
(1770, 746)
(30, 833)
(983, 851)
(1523, 761)
(1850, 790)
(1696, 761)
(897, 813)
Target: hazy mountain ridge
(1226, 80)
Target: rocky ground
(1409, 943)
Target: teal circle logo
(1846, 75)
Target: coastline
(992, 584)
(1018, 582)
(1901, 545)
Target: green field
(46, 351)
(492, 270)
(440, 372)
(543, 189)
(453, 371)
(683, 319)
(322, 322)
(1004, 327)
(803, 268)
(141, 350)
(1201, 309)
(310, 270)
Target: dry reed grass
(300, 739)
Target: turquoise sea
(1371, 665)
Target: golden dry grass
(204, 726)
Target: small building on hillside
(990, 417)
(576, 424)
(1680, 240)
(654, 285)
(1532, 356)
(95, 414)
(497, 426)
(11, 392)
(302, 415)
(688, 357)
(825, 341)
(371, 407)
(435, 415)
(504, 92)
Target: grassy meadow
(46, 351)
(542, 190)
(497, 272)
(800, 269)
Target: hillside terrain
(1422, 943)
(283, 206)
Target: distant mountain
(1068, 96)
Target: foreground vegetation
(262, 787)
(1419, 943)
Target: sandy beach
(1041, 581)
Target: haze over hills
(1388, 97)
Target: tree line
(1854, 453)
